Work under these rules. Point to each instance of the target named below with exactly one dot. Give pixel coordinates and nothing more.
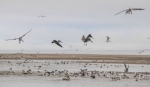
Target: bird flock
(114, 76)
(46, 68)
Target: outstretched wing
(59, 41)
(137, 9)
(59, 44)
(90, 40)
(11, 39)
(26, 33)
(120, 12)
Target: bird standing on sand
(20, 38)
(129, 11)
(57, 42)
(87, 39)
(107, 39)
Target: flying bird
(129, 11)
(107, 39)
(20, 38)
(87, 39)
(41, 16)
(57, 42)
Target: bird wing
(91, 40)
(12, 39)
(137, 9)
(120, 12)
(108, 38)
(26, 33)
(59, 41)
(59, 44)
(83, 38)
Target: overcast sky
(69, 20)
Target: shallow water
(56, 81)
(38, 81)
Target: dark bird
(126, 67)
(87, 39)
(108, 39)
(57, 42)
(41, 16)
(129, 11)
(20, 38)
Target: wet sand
(130, 59)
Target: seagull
(57, 42)
(20, 38)
(128, 11)
(107, 39)
(87, 39)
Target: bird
(41, 16)
(87, 39)
(70, 46)
(57, 42)
(20, 38)
(107, 39)
(129, 11)
(141, 52)
(148, 38)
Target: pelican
(129, 11)
(57, 42)
(87, 39)
(20, 38)
(107, 39)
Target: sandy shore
(131, 59)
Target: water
(107, 52)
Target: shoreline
(130, 59)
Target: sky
(69, 20)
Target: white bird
(20, 38)
(129, 11)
